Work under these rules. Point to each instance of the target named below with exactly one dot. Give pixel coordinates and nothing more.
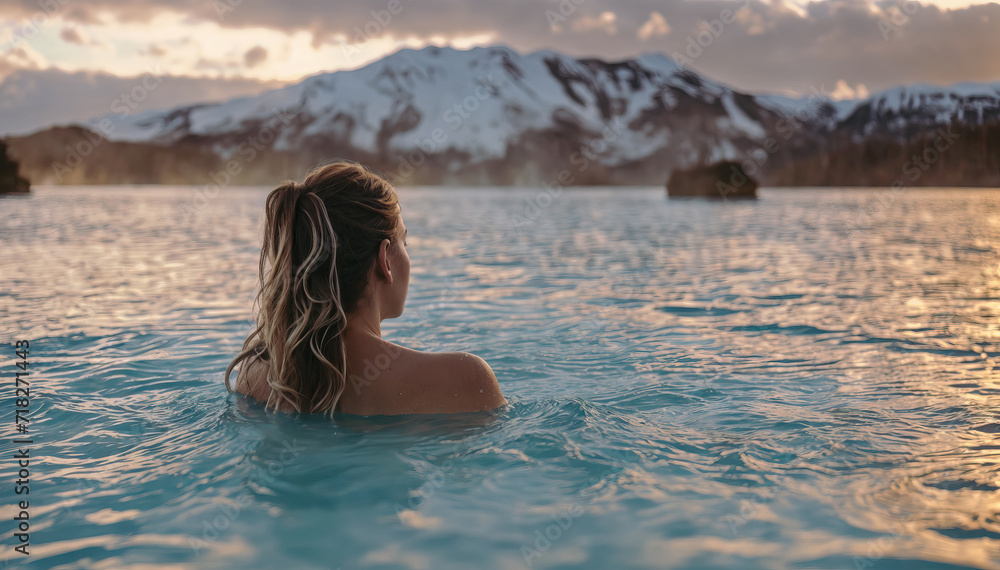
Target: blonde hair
(321, 239)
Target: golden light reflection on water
(765, 385)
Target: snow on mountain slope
(521, 117)
(944, 102)
(899, 110)
(816, 106)
(903, 111)
(483, 100)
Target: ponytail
(301, 305)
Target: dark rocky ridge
(10, 180)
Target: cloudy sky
(67, 60)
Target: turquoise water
(806, 381)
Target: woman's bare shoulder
(464, 382)
(251, 379)
(391, 379)
(428, 382)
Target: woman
(333, 265)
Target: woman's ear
(383, 261)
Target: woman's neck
(365, 324)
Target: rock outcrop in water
(10, 182)
(720, 180)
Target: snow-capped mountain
(490, 115)
(478, 107)
(905, 111)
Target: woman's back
(387, 379)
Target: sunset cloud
(73, 36)
(254, 56)
(782, 46)
(656, 25)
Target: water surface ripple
(807, 381)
